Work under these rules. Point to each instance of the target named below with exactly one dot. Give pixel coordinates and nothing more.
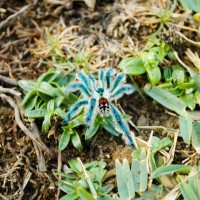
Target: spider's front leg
(118, 93)
(121, 124)
(78, 86)
(91, 113)
(120, 79)
(84, 79)
(108, 76)
(74, 110)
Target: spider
(97, 97)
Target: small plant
(97, 97)
(147, 61)
(84, 181)
(132, 182)
(44, 97)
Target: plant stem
(90, 184)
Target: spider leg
(101, 77)
(84, 79)
(78, 86)
(121, 124)
(120, 78)
(125, 89)
(108, 75)
(74, 110)
(92, 81)
(91, 113)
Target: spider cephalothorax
(97, 97)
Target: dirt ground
(20, 177)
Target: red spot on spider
(103, 101)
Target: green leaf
(92, 131)
(167, 74)
(64, 140)
(187, 192)
(75, 167)
(196, 136)
(178, 74)
(132, 66)
(27, 85)
(108, 125)
(84, 194)
(190, 101)
(59, 100)
(163, 170)
(194, 180)
(28, 96)
(60, 113)
(66, 186)
(77, 121)
(37, 113)
(72, 196)
(47, 89)
(31, 104)
(125, 183)
(166, 99)
(50, 106)
(193, 4)
(154, 75)
(46, 123)
(186, 127)
(140, 174)
(158, 144)
(76, 141)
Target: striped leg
(108, 75)
(74, 110)
(91, 113)
(125, 89)
(79, 86)
(121, 124)
(92, 81)
(101, 78)
(120, 78)
(84, 79)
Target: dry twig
(22, 126)
(8, 80)
(3, 23)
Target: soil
(18, 40)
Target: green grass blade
(166, 99)
(186, 127)
(163, 170)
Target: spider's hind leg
(74, 110)
(91, 113)
(121, 124)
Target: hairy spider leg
(125, 89)
(123, 126)
(92, 81)
(108, 76)
(91, 113)
(84, 79)
(120, 79)
(74, 110)
(79, 86)
(101, 77)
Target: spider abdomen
(104, 107)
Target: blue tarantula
(98, 97)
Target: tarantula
(97, 97)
